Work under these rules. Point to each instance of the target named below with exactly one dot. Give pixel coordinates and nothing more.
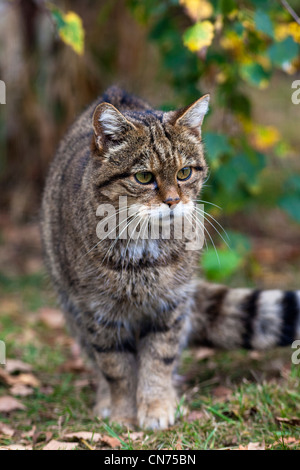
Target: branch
(292, 12)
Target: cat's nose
(172, 202)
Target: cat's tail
(244, 318)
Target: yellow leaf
(234, 43)
(198, 9)
(72, 32)
(199, 36)
(282, 31)
(265, 137)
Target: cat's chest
(142, 276)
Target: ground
(240, 399)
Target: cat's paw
(124, 420)
(101, 410)
(157, 414)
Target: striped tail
(244, 318)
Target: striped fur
(133, 305)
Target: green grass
(262, 388)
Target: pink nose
(172, 201)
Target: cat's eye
(144, 177)
(184, 173)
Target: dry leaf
(20, 390)
(134, 436)
(256, 446)
(204, 353)
(56, 445)
(87, 436)
(222, 393)
(194, 416)
(294, 421)
(42, 436)
(23, 379)
(178, 446)
(27, 379)
(74, 365)
(6, 430)
(16, 447)
(9, 404)
(14, 365)
(52, 318)
(6, 378)
(111, 441)
(29, 433)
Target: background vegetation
(55, 58)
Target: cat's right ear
(110, 126)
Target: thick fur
(134, 304)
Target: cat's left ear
(192, 116)
(110, 126)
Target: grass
(258, 388)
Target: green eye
(144, 177)
(184, 173)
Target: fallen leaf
(74, 365)
(20, 390)
(256, 355)
(194, 416)
(87, 436)
(27, 379)
(6, 378)
(16, 447)
(204, 353)
(178, 446)
(222, 393)
(9, 404)
(5, 430)
(294, 421)
(52, 318)
(29, 433)
(111, 441)
(256, 446)
(82, 383)
(14, 365)
(42, 436)
(22, 379)
(134, 436)
(57, 445)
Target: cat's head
(154, 158)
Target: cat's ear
(110, 126)
(192, 116)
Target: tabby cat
(134, 304)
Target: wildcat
(134, 304)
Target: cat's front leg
(158, 353)
(118, 367)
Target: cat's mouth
(163, 215)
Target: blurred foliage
(223, 46)
(69, 27)
(182, 48)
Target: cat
(134, 304)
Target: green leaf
(227, 6)
(216, 145)
(263, 23)
(70, 29)
(199, 35)
(249, 166)
(291, 205)
(239, 242)
(228, 176)
(284, 51)
(255, 74)
(221, 267)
